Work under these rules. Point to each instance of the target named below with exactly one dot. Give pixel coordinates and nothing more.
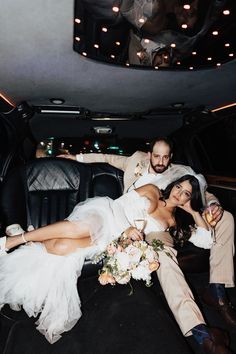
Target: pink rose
(153, 266)
(106, 278)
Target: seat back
(46, 190)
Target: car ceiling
(37, 62)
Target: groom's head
(160, 154)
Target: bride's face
(181, 193)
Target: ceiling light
(61, 111)
(77, 39)
(227, 44)
(141, 20)
(96, 46)
(215, 33)
(187, 7)
(102, 130)
(7, 100)
(178, 105)
(115, 9)
(224, 107)
(184, 25)
(226, 12)
(104, 29)
(110, 118)
(77, 20)
(57, 101)
(194, 53)
(117, 43)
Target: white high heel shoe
(3, 249)
(14, 230)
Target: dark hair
(181, 232)
(163, 139)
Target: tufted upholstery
(46, 190)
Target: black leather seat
(47, 189)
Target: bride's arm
(152, 193)
(197, 217)
(201, 235)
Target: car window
(87, 144)
(216, 147)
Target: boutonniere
(138, 170)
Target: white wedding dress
(45, 284)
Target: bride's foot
(6, 243)
(3, 249)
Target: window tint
(96, 144)
(4, 144)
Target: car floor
(199, 282)
(123, 319)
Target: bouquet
(125, 259)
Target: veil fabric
(174, 172)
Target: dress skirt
(44, 284)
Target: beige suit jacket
(134, 166)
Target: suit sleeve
(113, 160)
(210, 198)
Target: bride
(41, 275)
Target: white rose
(134, 254)
(141, 272)
(122, 261)
(150, 254)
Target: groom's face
(160, 157)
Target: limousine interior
(85, 76)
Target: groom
(156, 167)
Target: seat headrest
(53, 174)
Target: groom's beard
(158, 168)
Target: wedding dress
(45, 284)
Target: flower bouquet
(124, 259)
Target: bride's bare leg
(62, 229)
(64, 246)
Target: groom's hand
(67, 156)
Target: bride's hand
(187, 207)
(134, 234)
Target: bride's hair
(181, 232)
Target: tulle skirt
(105, 221)
(44, 284)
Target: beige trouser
(222, 252)
(176, 290)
